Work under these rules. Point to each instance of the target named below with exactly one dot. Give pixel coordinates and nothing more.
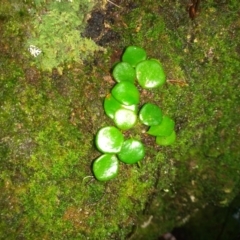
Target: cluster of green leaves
(56, 30)
(121, 105)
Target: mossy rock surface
(48, 122)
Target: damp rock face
(95, 25)
(96, 29)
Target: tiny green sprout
(126, 93)
(109, 140)
(166, 141)
(106, 167)
(125, 118)
(150, 74)
(123, 71)
(132, 151)
(150, 114)
(133, 55)
(164, 129)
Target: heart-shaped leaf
(133, 55)
(109, 140)
(132, 151)
(165, 128)
(123, 71)
(126, 93)
(150, 74)
(168, 140)
(106, 167)
(150, 114)
(111, 105)
(125, 119)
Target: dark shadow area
(212, 223)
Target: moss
(48, 122)
(57, 34)
(202, 97)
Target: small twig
(197, 5)
(145, 224)
(193, 8)
(83, 181)
(114, 4)
(179, 82)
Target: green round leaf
(105, 167)
(133, 55)
(150, 114)
(123, 71)
(111, 105)
(166, 141)
(134, 107)
(126, 93)
(132, 151)
(165, 128)
(125, 119)
(109, 140)
(150, 74)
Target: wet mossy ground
(48, 123)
